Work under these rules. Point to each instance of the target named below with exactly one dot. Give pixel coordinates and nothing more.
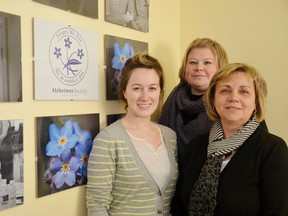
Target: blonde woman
(239, 168)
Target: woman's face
(234, 99)
(201, 65)
(142, 92)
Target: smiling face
(142, 92)
(234, 99)
(201, 65)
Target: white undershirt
(155, 160)
(224, 163)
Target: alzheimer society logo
(68, 56)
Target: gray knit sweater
(118, 181)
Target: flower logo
(68, 56)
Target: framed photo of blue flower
(63, 147)
(117, 51)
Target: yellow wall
(254, 32)
(163, 41)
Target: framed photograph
(10, 58)
(117, 51)
(87, 8)
(114, 117)
(11, 163)
(66, 62)
(129, 13)
(63, 147)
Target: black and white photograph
(10, 58)
(87, 8)
(129, 13)
(11, 163)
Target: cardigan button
(159, 193)
(160, 211)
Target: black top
(254, 182)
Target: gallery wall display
(66, 62)
(87, 8)
(129, 13)
(11, 163)
(10, 58)
(63, 147)
(117, 51)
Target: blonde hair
(225, 72)
(214, 46)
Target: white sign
(66, 62)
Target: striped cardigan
(118, 181)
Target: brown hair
(139, 60)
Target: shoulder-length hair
(214, 46)
(225, 72)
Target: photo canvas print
(87, 8)
(65, 62)
(132, 14)
(63, 147)
(114, 117)
(11, 163)
(10, 58)
(117, 51)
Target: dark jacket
(254, 182)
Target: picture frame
(10, 58)
(117, 51)
(88, 8)
(11, 163)
(65, 62)
(114, 117)
(63, 147)
(132, 14)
